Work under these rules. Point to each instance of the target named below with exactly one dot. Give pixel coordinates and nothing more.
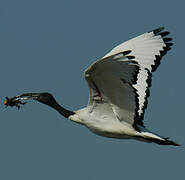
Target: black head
(45, 98)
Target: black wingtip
(168, 44)
(157, 31)
(167, 39)
(131, 57)
(166, 141)
(169, 142)
(126, 52)
(165, 33)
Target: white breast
(101, 124)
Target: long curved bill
(17, 100)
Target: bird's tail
(148, 136)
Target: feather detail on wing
(113, 78)
(123, 76)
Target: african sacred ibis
(119, 87)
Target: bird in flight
(118, 90)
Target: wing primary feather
(167, 39)
(165, 49)
(138, 118)
(169, 44)
(157, 62)
(126, 52)
(149, 79)
(134, 62)
(157, 31)
(163, 34)
(131, 57)
(136, 75)
(135, 57)
(147, 91)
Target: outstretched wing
(122, 77)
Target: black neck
(64, 112)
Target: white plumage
(119, 86)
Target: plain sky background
(45, 46)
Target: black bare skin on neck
(48, 99)
(45, 98)
(64, 112)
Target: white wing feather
(113, 78)
(124, 80)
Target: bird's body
(103, 124)
(119, 87)
(108, 125)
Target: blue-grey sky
(45, 46)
